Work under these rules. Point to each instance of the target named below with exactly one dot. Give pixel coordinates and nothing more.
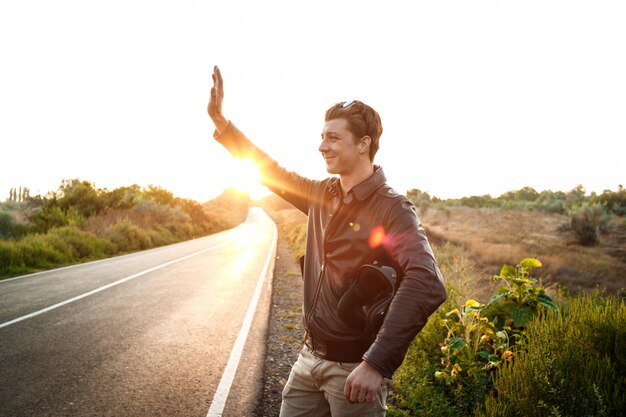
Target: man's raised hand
(215, 103)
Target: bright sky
(475, 97)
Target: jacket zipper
(318, 288)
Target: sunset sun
(245, 177)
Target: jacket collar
(362, 190)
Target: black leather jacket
(372, 223)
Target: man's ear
(366, 141)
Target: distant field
(495, 236)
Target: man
(354, 219)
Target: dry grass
(494, 237)
(292, 223)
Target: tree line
(588, 214)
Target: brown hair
(362, 121)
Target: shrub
(613, 202)
(57, 247)
(7, 225)
(10, 258)
(84, 244)
(161, 236)
(127, 237)
(150, 212)
(50, 216)
(80, 196)
(573, 364)
(587, 222)
(553, 206)
(44, 251)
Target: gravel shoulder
(285, 330)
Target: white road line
(113, 284)
(219, 399)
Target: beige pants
(315, 389)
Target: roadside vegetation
(79, 222)
(535, 320)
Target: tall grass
(572, 364)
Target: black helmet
(365, 303)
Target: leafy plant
(472, 350)
(519, 299)
(475, 346)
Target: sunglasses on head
(347, 103)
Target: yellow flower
(507, 356)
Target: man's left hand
(363, 384)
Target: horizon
(588, 193)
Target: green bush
(7, 225)
(573, 364)
(161, 236)
(128, 237)
(44, 250)
(150, 212)
(587, 222)
(553, 206)
(84, 245)
(51, 216)
(11, 260)
(613, 202)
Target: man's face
(338, 147)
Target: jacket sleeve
(420, 293)
(292, 187)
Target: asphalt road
(151, 336)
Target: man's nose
(323, 146)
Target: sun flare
(245, 177)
